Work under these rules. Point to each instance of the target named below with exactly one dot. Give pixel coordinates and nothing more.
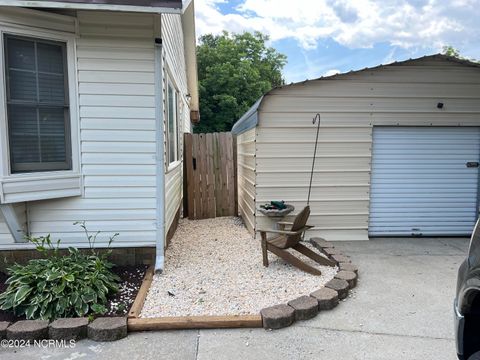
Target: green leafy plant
(75, 284)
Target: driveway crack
(376, 333)
(197, 343)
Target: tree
(451, 51)
(234, 71)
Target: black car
(467, 302)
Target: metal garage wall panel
(420, 182)
(246, 178)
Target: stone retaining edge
(278, 316)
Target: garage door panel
(430, 231)
(420, 184)
(427, 181)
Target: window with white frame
(37, 104)
(39, 119)
(172, 123)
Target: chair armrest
(277, 231)
(291, 223)
(284, 232)
(285, 223)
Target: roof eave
(83, 6)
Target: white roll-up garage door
(424, 181)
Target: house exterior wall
(246, 177)
(116, 95)
(350, 106)
(174, 65)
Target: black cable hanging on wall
(317, 117)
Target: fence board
(203, 175)
(189, 176)
(211, 175)
(217, 165)
(197, 214)
(223, 174)
(235, 175)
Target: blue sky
(322, 37)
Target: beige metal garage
(276, 140)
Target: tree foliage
(451, 51)
(234, 71)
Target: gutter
(160, 159)
(190, 48)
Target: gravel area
(214, 267)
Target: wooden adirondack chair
(290, 239)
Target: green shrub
(56, 286)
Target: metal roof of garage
(250, 119)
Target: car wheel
(475, 356)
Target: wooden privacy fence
(211, 175)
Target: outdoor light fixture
(189, 97)
(440, 105)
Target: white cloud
(331, 72)
(354, 23)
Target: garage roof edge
(250, 119)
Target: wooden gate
(211, 175)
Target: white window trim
(54, 181)
(171, 165)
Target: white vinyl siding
(420, 182)
(172, 36)
(115, 69)
(350, 106)
(246, 178)
(117, 132)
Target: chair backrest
(299, 222)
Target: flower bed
(118, 304)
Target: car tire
(475, 356)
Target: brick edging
(67, 329)
(326, 298)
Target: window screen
(172, 141)
(37, 105)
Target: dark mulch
(118, 305)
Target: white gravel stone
(214, 267)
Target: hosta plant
(60, 285)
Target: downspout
(160, 159)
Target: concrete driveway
(401, 309)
